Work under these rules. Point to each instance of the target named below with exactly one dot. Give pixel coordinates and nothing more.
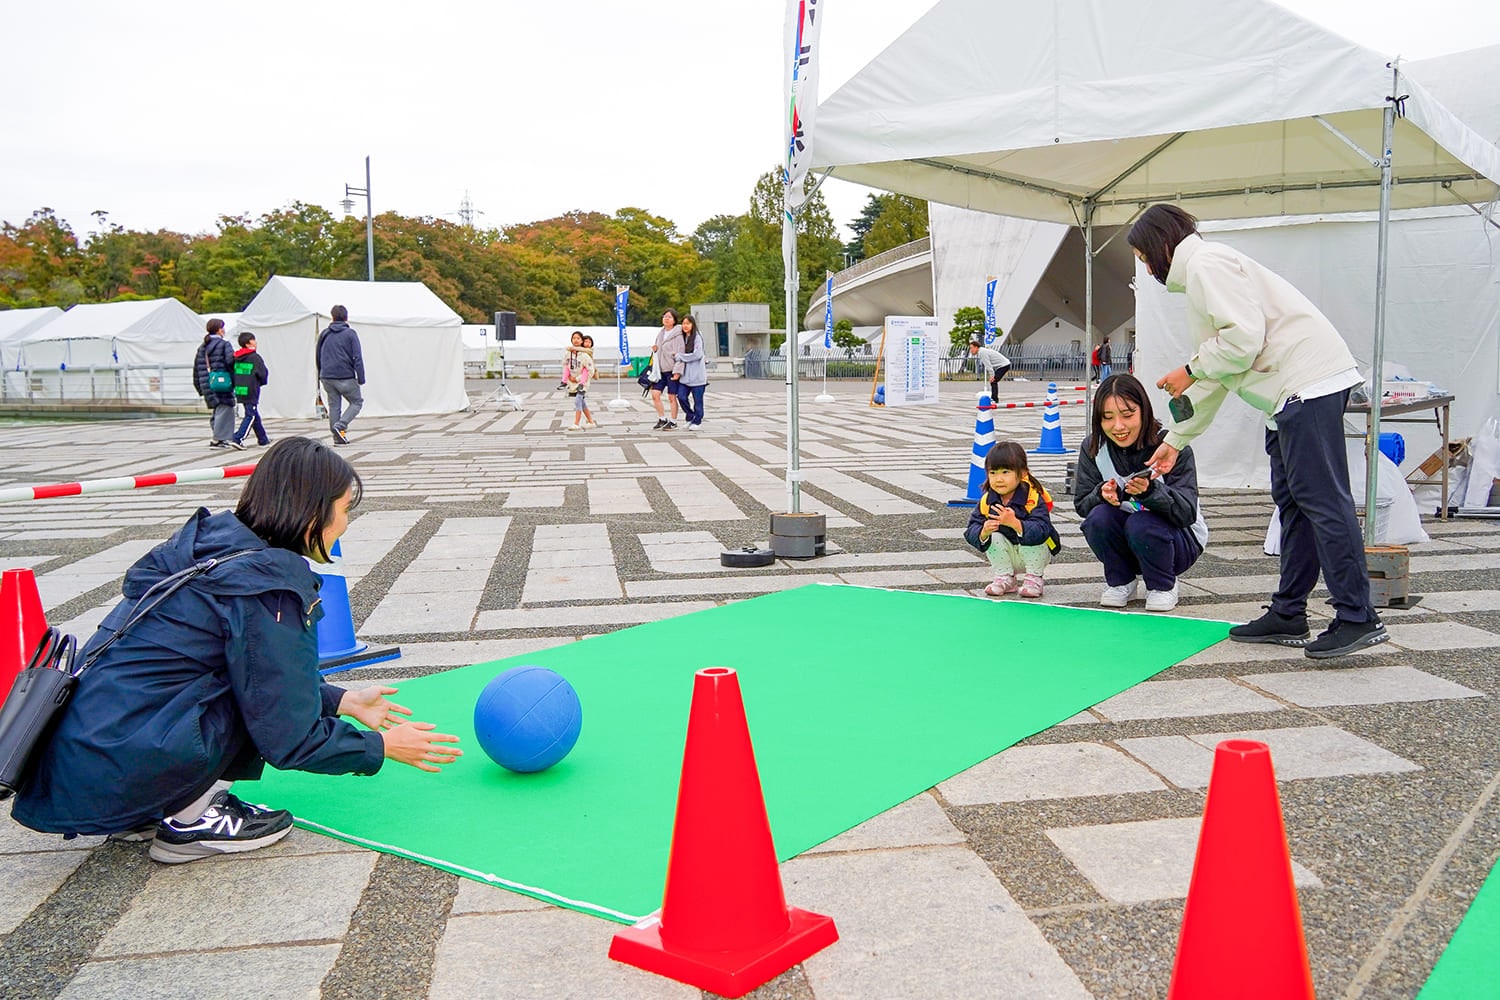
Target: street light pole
(369, 218)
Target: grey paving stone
(576, 617)
(1461, 600)
(539, 497)
(1263, 583)
(174, 912)
(919, 820)
(1143, 861)
(1229, 651)
(17, 839)
(1052, 771)
(1183, 699)
(551, 953)
(1358, 686)
(29, 879)
(1307, 752)
(748, 584)
(481, 897)
(928, 923)
(1441, 635)
(288, 971)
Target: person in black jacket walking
(250, 373)
(341, 369)
(213, 376)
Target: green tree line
(557, 271)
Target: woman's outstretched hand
(1163, 459)
(416, 744)
(369, 705)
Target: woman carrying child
(1012, 523)
(578, 374)
(1139, 525)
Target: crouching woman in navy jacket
(220, 679)
(1139, 526)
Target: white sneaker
(1161, 600)
(1118, 597)
(572, 427)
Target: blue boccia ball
(527, 719)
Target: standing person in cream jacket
(1261, 339)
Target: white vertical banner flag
(802, 26)
(828, 313)
(989, 311)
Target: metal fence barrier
(121, 385)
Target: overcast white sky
(169, 114)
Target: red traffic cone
(1241, 929)
(21, 624)
(724, 924)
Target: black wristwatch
(1188, 368)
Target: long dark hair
(1009, 455)
(1156, 235)
(213, 327)
(289, 499)
(689, 338)
(1129, 389)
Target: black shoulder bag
(41, 691)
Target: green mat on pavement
(857, 700)
(1470, 965)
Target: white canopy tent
(411, 341)
(136, 334)
(18, 323)
(1238, 109)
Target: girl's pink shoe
(1004, 584)
(1031, 585)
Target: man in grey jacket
(341, 370)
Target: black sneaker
(659, 424)
(228, 826)
(236, 444)
(670, 426)
(1343, 638)
(339, 437)
(1283, 630)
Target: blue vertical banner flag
(802, 27)
(989, 311)
(828, 313)
(622, 301)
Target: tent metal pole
(789, 256)
(1088, 310)
(1377, 362)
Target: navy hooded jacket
(219, 679)
(338, 353)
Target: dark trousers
(1310, 484)
(1140, 544)
(692, 401)
(995, 377)
(252, 419)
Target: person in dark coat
(1144, 526)
(341, 369)
(216, 357)
(250, 373)
(221, 679)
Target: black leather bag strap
(167, 586)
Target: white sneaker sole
(176, 854)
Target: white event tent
(17, 323)
(411, 341)
(139, 336)
(1085, 113)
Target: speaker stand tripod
(502, 395)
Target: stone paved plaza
(1056, 869)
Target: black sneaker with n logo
(228, 826)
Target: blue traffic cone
(984, 439)
(338, 649)
(1052, 442)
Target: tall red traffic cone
(724, 923)
(1241, 929)
(21, 624)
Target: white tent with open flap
(411, 341)
(1086, 113)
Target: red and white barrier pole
(1043, 403)
(14, 493)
